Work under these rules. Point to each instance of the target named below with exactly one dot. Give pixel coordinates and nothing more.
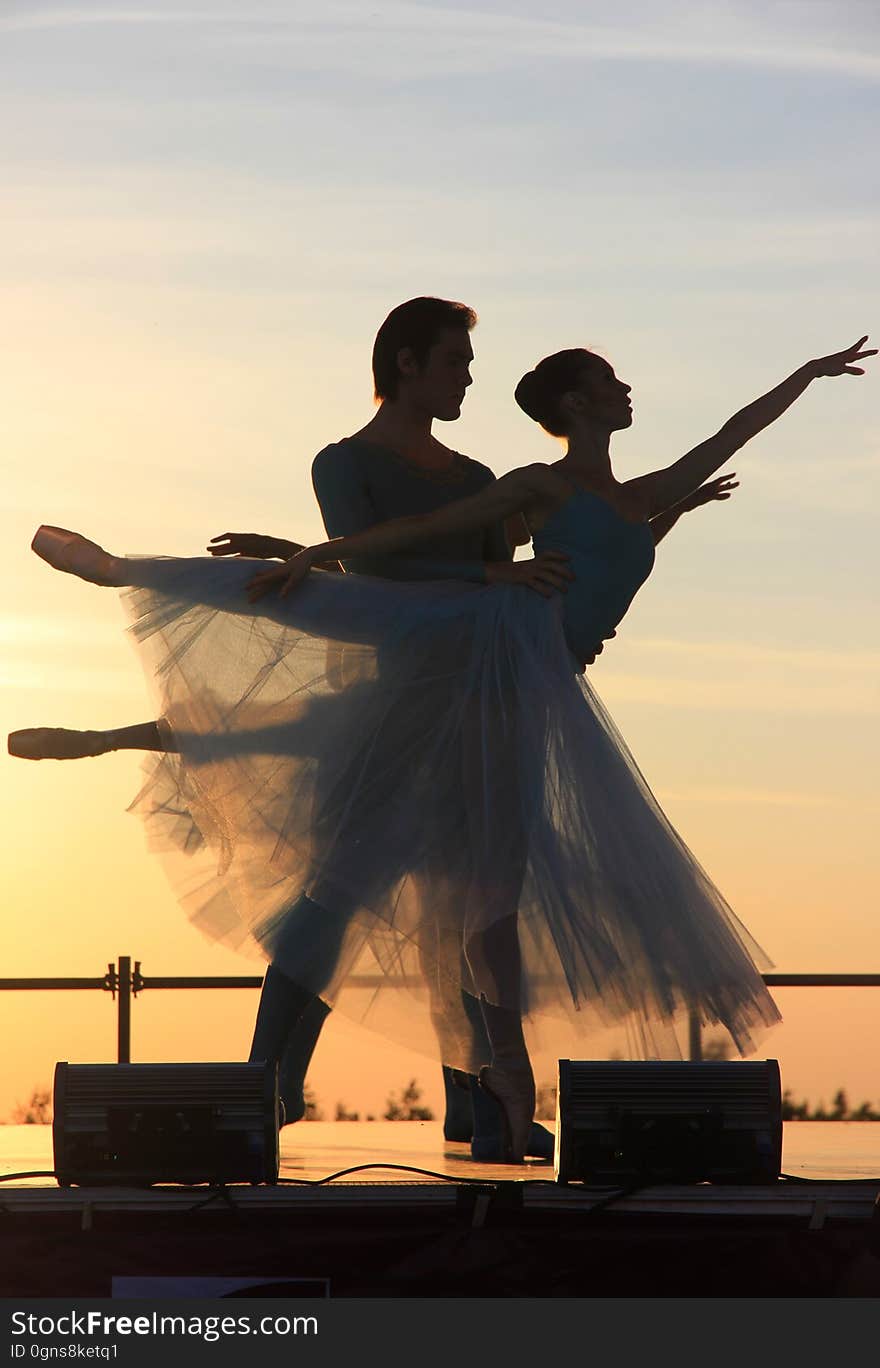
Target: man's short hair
(417, 324)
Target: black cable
(41, 1173)
(797, 1178)
(409, 1168)
(220, 1190)
(596, 1203)
(457, 1180)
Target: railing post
(695, 1038)
(123, 983)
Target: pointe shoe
(292, 1109)
(76, 555)
(458, 1119)
(514, 1091)
(492, 1149)
(55, 743)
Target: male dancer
(392, 467)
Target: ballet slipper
(76, 555)
(55, 743)
(541, 1143)
(514, 1091)
(458, 1120)
(491, 1149)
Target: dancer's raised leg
(64, 743)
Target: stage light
(165, 1123)
(656, 1122)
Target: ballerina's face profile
(439, 384)
(575, 392)
(600, 398)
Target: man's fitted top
(358, 484)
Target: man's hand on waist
(547, 573)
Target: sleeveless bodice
(610, 558)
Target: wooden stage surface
(453, 1228)
(413, 1156)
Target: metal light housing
(634, 1123)
(132, 1124)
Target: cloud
(747, 654)
(736, 677)
(450, 40)
(748, 797)
(24, 632)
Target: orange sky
(191, 292)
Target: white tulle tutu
(424, 760)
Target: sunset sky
(209, 208)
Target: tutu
(424, 760)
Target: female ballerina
(558, 875)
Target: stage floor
(373, 1158)
(311, 1150)
(453, 1228)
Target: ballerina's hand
(841, 363)
(590, 659)
(281, 577)
(720, 488)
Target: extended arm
(498, 501)
(493, 504)
(257, 546)
(347, 507)
(517, 532)
(663, 489)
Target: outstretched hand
(281, 577)
(841, 363)
(251, 544)
(720, 488)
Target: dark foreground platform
(469, 1230)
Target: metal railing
(124, 981)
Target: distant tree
(791, 1110)
(407, 1107)
(840, 1110)
(313, 1111)
(342, 1113)
(37, 1112)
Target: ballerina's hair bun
(540, 390)
(527, 395)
